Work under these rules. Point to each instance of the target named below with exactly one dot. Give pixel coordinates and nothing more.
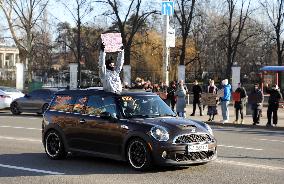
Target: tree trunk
(183, 49)
(127, 52)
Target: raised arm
(102, 63)
(120, 61)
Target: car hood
(174, 123)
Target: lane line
(31, 170)
(270, 140)
(32, 118)
(20, 139)
(258, 166)
(4, 126)
(240, 147)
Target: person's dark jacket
(258, 98)
(196, 90)
(275, 96)
(171, 92)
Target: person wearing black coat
(171, 94)
(273, 104)
(196, 90)
(256, 105)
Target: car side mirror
(105, 115)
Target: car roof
(98, 91)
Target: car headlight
(209, 129)
(159, 133)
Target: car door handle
(82, 121)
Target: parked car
(36, 101)
(7, 95)
(138, 127)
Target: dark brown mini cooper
(137, 127)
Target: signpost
(167, 10)
(167, 7)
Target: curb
(245, 126)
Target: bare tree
(235, 27)
(78, 12)
(22, 17)
(184, 15)
(275, 12)
(138, 17)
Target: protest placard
(112, 42)
(236, 96)
(209, 99)
(220, 93)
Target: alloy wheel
(138, 155)
(54, 146)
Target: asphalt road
(245, 155)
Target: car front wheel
(15, 108)
(54, 146)
(138, 155)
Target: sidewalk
(247, 118)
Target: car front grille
(192, 138)
(204, 155)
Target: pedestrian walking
(196, 91)
(225, 100)
(181, 95)
(273, 104)
(171, 95)
(256, 100)
(212, 109)
(109, 73)
(239, 105)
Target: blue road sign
(167, 7)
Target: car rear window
(63, 103)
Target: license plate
(198, 148)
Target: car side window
(43, 93)
(34, 93)
(62, 103)
(79, 105)
(99, 104)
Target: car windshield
(7, 89)
(144, 107)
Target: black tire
(15, 108)
(138, 155)
(54, 146)
(44, 108)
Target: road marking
(34, 118)
(4, 126)
(270, 140)
(239, 147)
(31, 170)
(20, 139)
(20, 117)
(273, 168)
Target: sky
(58, 13)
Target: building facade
(9, 56)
